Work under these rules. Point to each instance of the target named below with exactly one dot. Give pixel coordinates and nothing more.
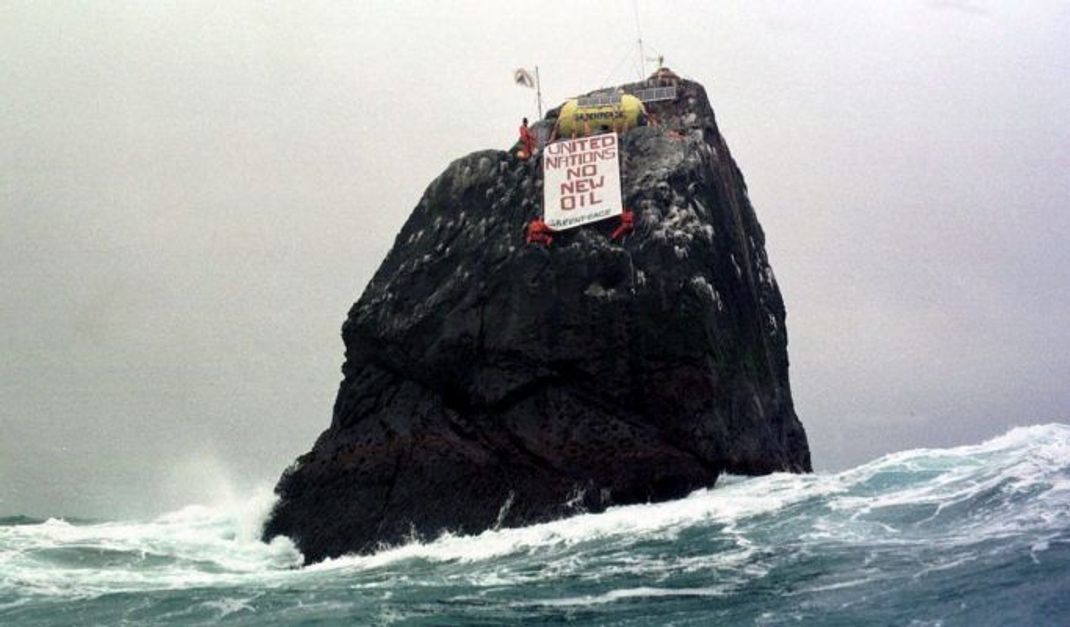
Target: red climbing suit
(539, 233)
(627, 225)
(528, 139)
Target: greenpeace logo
(564, 223)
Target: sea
(972, 535)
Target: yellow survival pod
(591, 116)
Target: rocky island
(489, 382)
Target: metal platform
(600, 99)
(653, 94)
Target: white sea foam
(1026, 458)
(631, 593)
(1016, 485)
(626, 524)
(196, 545)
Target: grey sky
(192, 195)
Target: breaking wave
(974, 534)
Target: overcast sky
(192, 195)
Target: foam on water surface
(884, 539)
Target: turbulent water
(969, 535)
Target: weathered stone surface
(489, 383)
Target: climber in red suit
(527, 138)
(627, 225)
(539, 233)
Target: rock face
(492, 383)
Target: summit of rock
(492, 383)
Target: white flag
(523, 78)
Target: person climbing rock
(528, 139)
(539, 233)
(627, 225)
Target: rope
(627, 53)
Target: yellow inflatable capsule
(621, 115)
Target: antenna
(660, 58)
(538, 90)
(639, 35)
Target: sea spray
(194, 546)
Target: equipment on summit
(601, 113)
(581, 171)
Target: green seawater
(975, 535)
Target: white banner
(581, 181)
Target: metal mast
(538, 90)
(639, 36)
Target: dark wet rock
(490, 383)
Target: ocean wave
(18, 519)
(926, 515)
(1017, 482)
